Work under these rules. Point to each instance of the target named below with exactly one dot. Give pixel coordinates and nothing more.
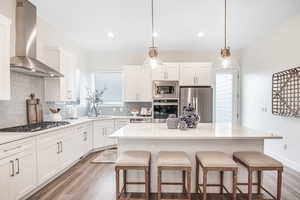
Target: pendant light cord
(225, 42)
(152, 14)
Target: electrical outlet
(121, 109)
(114, 109)
(285, 146)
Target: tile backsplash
(13, 112)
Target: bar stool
(257, 161)
(133, 160)
(215, 161)
(174, 161)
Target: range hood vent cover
(26, 60)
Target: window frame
(121, 104)
(235, 95)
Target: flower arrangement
(95, 99)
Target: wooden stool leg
(149, 177)
(197, 176)
(189, 189)
(259, 177)
(117, 184)
(159, 184)
(279, 184)
(183, 182)
(234, 184)
(146, 183)
(249, 184)
(204, 184)
(221, 182)
(125, 180)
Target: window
(112, 81)
(227, 97)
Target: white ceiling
(177, 21)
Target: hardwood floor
(88, 181)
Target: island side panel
(190, 147)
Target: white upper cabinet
(196, 74)
(169, 71)
(4, 58)
(61, 89)
(137, 84)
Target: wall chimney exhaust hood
(25, 60)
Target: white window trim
(114, 104)
(236, 93)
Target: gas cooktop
(35, 127)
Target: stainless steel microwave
(165, 89)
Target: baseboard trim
(290, 164)
(291, 183)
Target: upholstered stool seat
(174, 161)
(178, 159)
(256, 159)
(215, 161)
(133, 160)
(259, 162)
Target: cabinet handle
(58, 148)
(12, 168)
(61, 146)
(85, 136)
(18, 166)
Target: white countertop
(202, 132)
(7, 137)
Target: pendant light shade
(225, 60)
(153, 56)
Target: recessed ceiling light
(110, 35)
(155, 34)
(201, 34)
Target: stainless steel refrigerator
(202, 100)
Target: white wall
(276, 51)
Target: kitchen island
(206, 137)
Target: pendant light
(153, 56)
(225, 60)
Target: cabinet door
(61, 89)
(4, 58)
(6, 178)
(48, 161)
(109, 131)
(188, 74)
(158, 73)
(25, 178)
(99, 139)
(145, 91)
(171, 71)
(204, 74)
(68, 153)
(131, 83)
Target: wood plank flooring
(88, 181)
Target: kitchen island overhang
(206, 137)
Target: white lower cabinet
(29, 163)
(104, 128)
(48, 160)
(18, 171)
(6, 180)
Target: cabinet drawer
(16, 147)
(49, 138)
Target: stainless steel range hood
(25, 60)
